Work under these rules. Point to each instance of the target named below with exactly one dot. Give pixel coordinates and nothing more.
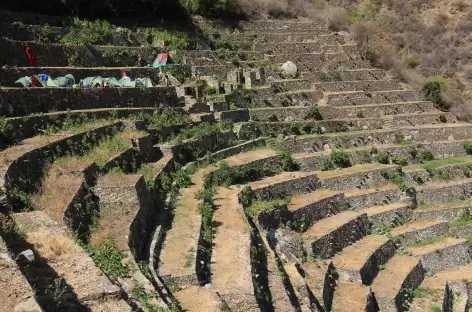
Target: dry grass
(114, 224)
(436, 35)
(56, 193)
(54, 247)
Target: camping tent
(161, 60)
(50, 83)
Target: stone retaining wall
(345, 75)
(445, 258)
(356, 180)
(447, 193)
(289, 187)
(8, 76)
(61, 55)
(363, 98)
(326, 112)
(273, 129)
(364, 85)
(20, 101)
(412, 281)
(333, 242)
(27, 177)
(316, 143)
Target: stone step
(231, 259)
(311, 65)
(360, 261)
(443, 211)
(444, 192)
(217, 71)
(444, 254)
(358, 176)
(350, 297)
(432, 295)
(458, 280)
(361, 85)
(285, 184)
(316, 205)
(63, 99)
(391, 215)
(179, 252)
(419, 230)
(60, 255)
(285, 85)
(194, 298)
(330, 235)
(327, 112)
(367, 197)
(373, 97)
(262, 26)
(400, 275)
(15, 291)
(423, 133)
(317, 59)
(301, 47)
(345, 75)
(274, 128)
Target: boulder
(289, 69)
(288, 243)
(25, 257)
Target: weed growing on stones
(400, 161)
(85, 32)
(464, 219)
(313, 114)
(426, 155)
(468, 147)
(340, 158)
(109, 259)
(5, 128)
(327, 165)
(383, 158)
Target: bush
(109, 259)
(432, 89)
(468, 147)
(442, 118)
(400, 161)
(412, 62)
(247, 196)
(313, 113)
(426, 155)
(85, 32)
(383, 158)
(340, 158)
(327, 165)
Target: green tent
(144, 82)
(50, 83)
(126, 82)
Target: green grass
(109, 259)
(430, 240)
(149, 172)
(437, 163)
(262, 205)
(464, 219)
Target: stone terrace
(328, 189)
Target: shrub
(360, 114)
(468, 147)
(288, 163)
(313, 113)
(432, 89)
(340, 158)
(109, 259)
(246, 196)
(383, 158)
(327, 165)
(85, 32)
(401, 161)
(412, 62)
(166, 117)
(442, 118)
(426, 155)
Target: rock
(323, 129)
(25, 257)
(280, 136)
(365, 127)
(289, 69)
(288, 243)
(119, 29)
(29, 305)
(208, 286)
